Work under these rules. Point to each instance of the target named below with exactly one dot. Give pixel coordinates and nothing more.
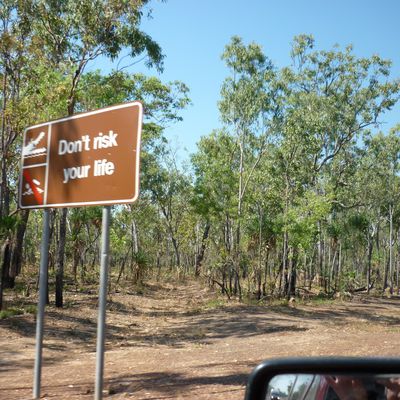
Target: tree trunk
(292, 275)
(121, 271)
(3, 178)
(238, 257)
(285, 238)
(385, 278)
(176, 249)
(320, 256)
(369, 263)
(398, 265)
(201, 251)
(17, 251)
(391, 248)
(333, 272)
(135, 238)
(5, 259)
(60, 258)
(339, 274)
(285, 264)
(75, 261)
(259, 271)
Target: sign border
(76, 116)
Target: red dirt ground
(177, 341)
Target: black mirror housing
(344, 366)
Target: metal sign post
(101, 324)
(44, 251)
(85, 159)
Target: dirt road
(177, 341)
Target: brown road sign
(87, 159)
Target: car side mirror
(325, 379)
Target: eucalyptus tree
(263, 225)
(135, 239)
(16, 40)
(214, 202)
(384, 158)
(74, 34)
(30, 92)
(248, 110)
(334, 96)
(162, 103)
(13, 29)
(330, 99)
(170, 190)
(310, 116)
(345, 185)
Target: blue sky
(193, 34)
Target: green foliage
(93, 28)
(359, 222)
(30, 309)
(334, 229)
(288, 173)
(215, 304)
(162, 102)
(10, 312)
(302, 220)
(214, 166)
(7, 225)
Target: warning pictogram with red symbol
(35, 160)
